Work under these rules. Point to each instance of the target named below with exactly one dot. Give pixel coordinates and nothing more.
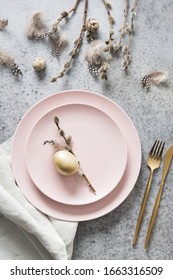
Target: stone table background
(110, 236)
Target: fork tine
(157, 150)
(160, 152)
(153, 148)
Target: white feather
(158, 77)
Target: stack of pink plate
(105, 142)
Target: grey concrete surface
(110, 236)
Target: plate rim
(54, 210)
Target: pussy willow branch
(130, 31)
(63, 15)
(56, 121)
(111, 23)
(124, 22)
(62, 134)
(54, 27)
(133, 11)
(105, 65)
(110, 17)
(76, 49)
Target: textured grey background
(109, 237)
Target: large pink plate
(73, 212)
(98, 144)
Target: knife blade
(167, 162)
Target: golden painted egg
(65, 163)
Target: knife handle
(154, 214)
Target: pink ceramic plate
(96, 141)
(79, 212)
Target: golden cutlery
(153, 162)
(167, 162)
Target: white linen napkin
(52, 238)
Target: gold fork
(153, 162)
(167, 161)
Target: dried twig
(111, 23)
(110, 45)
(63, 15)
(124, 26)
(37, 28)
(57, 146)
(67, 141)
(76, 49)
(129, 29)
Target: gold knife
(167, 162)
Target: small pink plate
(97, 143)
(76, 212)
